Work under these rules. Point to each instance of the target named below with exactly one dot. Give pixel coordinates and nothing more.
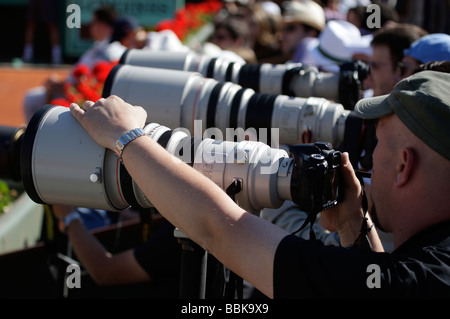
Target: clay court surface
(14, 82)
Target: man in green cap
(412, 154)
(410, 186)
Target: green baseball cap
(422, 103)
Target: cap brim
(374, 107)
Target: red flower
(102, 69)
(88, 83)
(80, 70)
(189, 19)
(60, 101)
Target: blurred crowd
(322, 33)
(326, 33)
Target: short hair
(438, 66)
(398, 38)
(236, 26)
(106, 14)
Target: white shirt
(100, 51)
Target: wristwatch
(69, 218)
(125, 139)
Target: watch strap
(125, 139)
(69, 218)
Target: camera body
(315, 181)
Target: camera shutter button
(317, 158)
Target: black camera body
(315, 179)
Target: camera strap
(310, 219)
(361, 241)
(235, 283)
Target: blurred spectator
(270, 7)
(101, 30)
(156, 261)
(167, 40)
(432, 47)
(264, 22)
(332, 10)
(234, 7)
(302, 22)
(124, 32)
(388, 45)
(42, 11)
(345, 5)
(163, 40)
(338, 43)
(140, 38)
(232, 34)
(358, 16)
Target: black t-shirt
(420, 268)
(160, 257)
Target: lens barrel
(293, 79)
(10, 145)
(187, 99)
(61, 164)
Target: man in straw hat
(301, 22)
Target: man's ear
(405, 167)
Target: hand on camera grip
(349, 208)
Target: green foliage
(7, 195)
